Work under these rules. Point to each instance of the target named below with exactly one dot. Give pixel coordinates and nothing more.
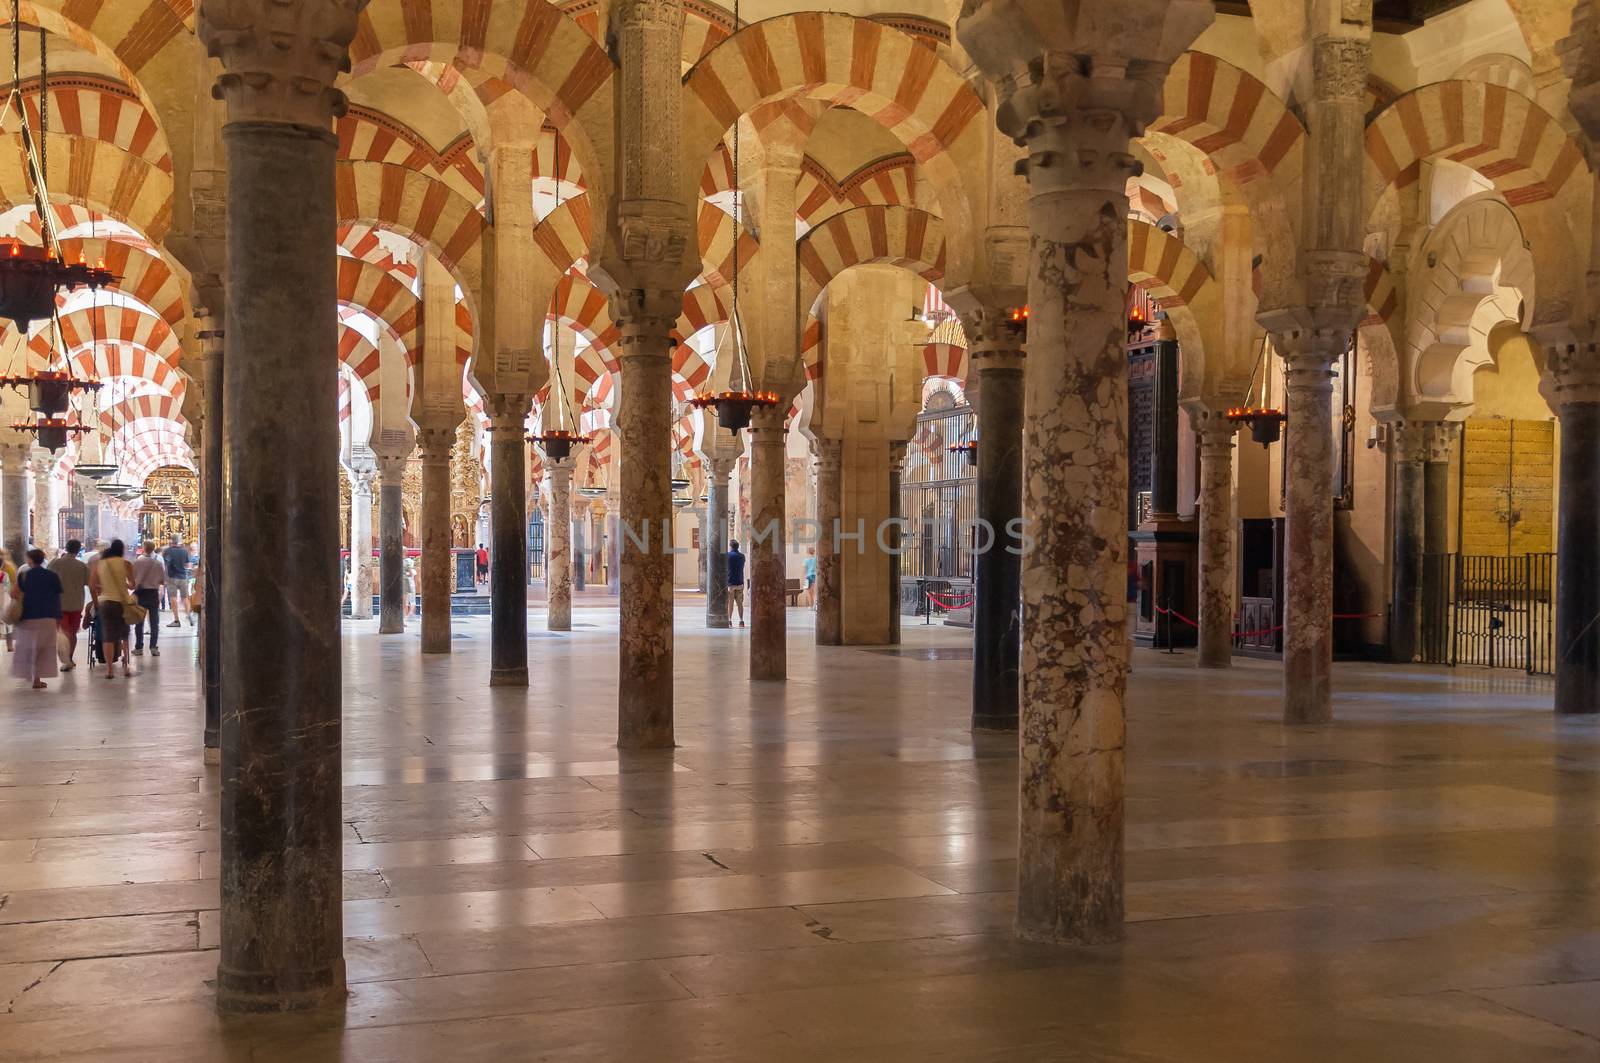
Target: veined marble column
(830, 477)
(438, 568)
(768, 610)
(282, 835)
(1076, 114)
(212, 486)
(91, 518)
(391, 545)
(14, 475)
(1405, 607)
(612, 520)
(1575, 374)
(558, 559)
(44, 502)
(644, 644)
(895, 537)
(997, 359)
(508, 547)
(361, 581)
(1216, 542)
(1308, 356)
(717, 472)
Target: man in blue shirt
(177, 561)
(736, 578)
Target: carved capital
(1409, 442)
(829, 453)
(664, 14)
(508, 414)
(1439, 441)
(436, 442)
(1572, 373)
(1341, 67)
(14, 457)
(646, 317)
(1580, 60)
(996, 338)
(280, 57)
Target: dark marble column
(830, 489)
(644, 678)
(768, 607)
(895, 536)
(1405, 596)
(1438, 443)
(14, 476)
(391, 545)
(508, 547)
(213, 481)
(997, 608)
(1575, 372)
(1164, 429)
(438, 560)
(282, 835)
(717, 472)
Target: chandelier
(557, 442)
(1265, 421)
(31, 277)
(735, 404)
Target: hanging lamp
(557, 443)
(1266, 422)
(31, 277)
(735, 405)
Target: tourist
(149, 576)
(39, 590)
(8, 583)
(97, 651)
(177, 559)
(483, 564)
(409, 570)
(111, 583)
(74, 577)
(811, 576)
(736, 579)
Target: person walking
(97, 651)
(111, 583)
(149, 576)
(811, 576)
(74, 577)
(39, 590)
(8, 584)
(736, 578)
(178, 560)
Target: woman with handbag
(111, 582)
(8, 583)
(35, 609)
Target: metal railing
(1498, 612)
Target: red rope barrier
(960, 603)
(1266, 630)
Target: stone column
(996, 349)
(508, 547)
(644, 678)
(1076, 113)
(282, 835)
(558, 558)
(361, 581)
(438, 561)
(895, 536)
(768, 608)
(1407, 546)
(1439, 441)
(213, 450)
(1164, 429)
(91, 518)
(14, 475)
(830, 469)
(391, 545)
(612, 521)
(1216, 542)
(580, 541)
(717, 471)
(1573, 384)
(44, 501)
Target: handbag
(134, 613)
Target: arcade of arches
(1221, 377)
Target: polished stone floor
(821, 870)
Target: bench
(793, 587)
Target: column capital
(1410, 442)
(1308, 341)
(1439, 441)
(1217, 434)
(1341, 67)
(361, 480)
(280, 57)
(508, 413)
(767, 422)
(1571, 369)
(996, 336)
(14, 456)
(646, 318)
(828, 452)
(392, 469)
(436, 441)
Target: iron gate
(1498, 612)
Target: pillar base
(247, 994)
(719, 623)
(391, 630)
(508, 677)
(994, 724)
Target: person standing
(483, 564)
(111, 583)
(8, 583)
(178, 560)
(74, 577)
(149, 576)
(736, 578)
(39, 589)
(811, 576)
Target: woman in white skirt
(39, 590)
